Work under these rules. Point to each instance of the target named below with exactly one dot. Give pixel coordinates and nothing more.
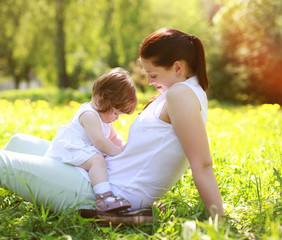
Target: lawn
(245, 143)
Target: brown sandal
(104, 205)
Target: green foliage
(246, 64)
(26, 37)
(242, 41)
(187, 16)
(245, 143)
(97, 36)
(52, 95)
(55, 96)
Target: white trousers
(25, 171)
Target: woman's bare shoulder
(182, 95)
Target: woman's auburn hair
(115, 90)
(166, 45)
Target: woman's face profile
(160, 77)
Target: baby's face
(110, 116)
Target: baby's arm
(116, 138)
(92, 126)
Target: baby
(90, 134)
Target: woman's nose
(150, 81)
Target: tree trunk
(17, 80)
(112, 58)
(60, 46)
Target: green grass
(245, 143)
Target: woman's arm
(92, 126)
(183, 109)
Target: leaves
(247, 64)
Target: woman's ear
(178, 66)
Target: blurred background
(67, 44)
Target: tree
(26, 43)
(60, 44)
(123, 20)
(249, 34)
(14, 61)
(65, 42)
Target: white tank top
(153, 160)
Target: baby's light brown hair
(115, 89)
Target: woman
(161, 139)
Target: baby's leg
(105, 199)
(97, 169)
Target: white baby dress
(71, 144)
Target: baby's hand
(118, 151)
(123, 147)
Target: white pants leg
(51, 182)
